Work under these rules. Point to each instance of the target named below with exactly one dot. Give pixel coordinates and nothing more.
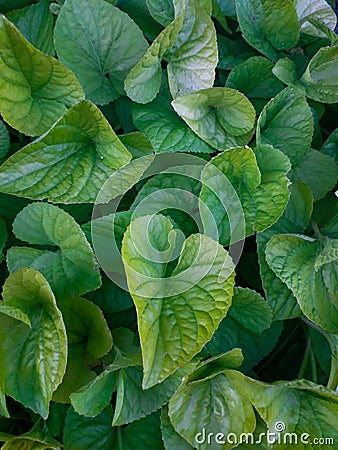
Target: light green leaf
(295, 219)
(174, 318)
(254, 78)
(222, 117)
(314, 409)
(36, 23)
(34, 440)
(37, 101)
(319, 10)
(74, 260)
(258, 179)
(171, 439)
(144, 80)
(286, 122)
(248, 326)
(166, 131)
(328, 254)
(268, 25)
(161, 10)
(3, 238)
(320, 78)
(4, 140)
(213, 405)
(100, 57)
(193, 58)
(293, 259)
(32, 360)
(318, 171)
(3, 410)
(285, 70)
(133, 403)
(68, 164)
(217, 364)
(82, 433)
(137, 144)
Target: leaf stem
(306, 356)
(313, 362)
(119, 438)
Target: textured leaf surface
(293, 259)
(70, 163)
(318, 10)
(44, 224)
(180, 324)
(4, 139)
(171, 438)
(268, 25)
(193, 58)
(36, 23)
(100, 57)
(286, 123)
(44, 88)
(33, 360)
(216, 403)
(222, 117)
(34, 440)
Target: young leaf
(268, 25)
(34, 440)
(68, 164)
(215, 404)
(318, 10)
(100, 57)
(193, 58)
(37, 101)
(295, 219)
(44, 224)
(203, 267)
(222, 117)
(319, 79)
(293, 259)
(313, 167)
(36, 23)
(286, 122)
(33, 359)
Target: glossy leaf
(170, 437)
(192, 321)
(100, 57)
(45, 224)
(318, 10)
(37, 101)
(68, 164)
(286, 123)
(222, 117)
(33, 360)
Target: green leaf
(144, 80)
(171, 439)
(161, 10)
(222, 117)
(293, 259)
(34, 440)
(133, 403)
(286, 122)
(319, 79)
(37, 101)
(4, 140)
(255, 79)
(318, 10)
(216, 404)
(285, 70)
(318, 171)
(141, 15)
(193, 58)
(173, 315)
(3, 408)
(166, 131)
(68, 164)
(217, 364)
(100, 57)
(74, 260)
(248, 326)
(228, 8)
(33, 359)
(257, 179)
(137, 144)
(268, 25)
(314, 410)
(36, 23)
(295, 219)
(330, 146)
(82, 433)
(8, 5)
(3, 238)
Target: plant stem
(119, 438)
(306, 356)
(313, 366)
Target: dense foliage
(168, 224)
